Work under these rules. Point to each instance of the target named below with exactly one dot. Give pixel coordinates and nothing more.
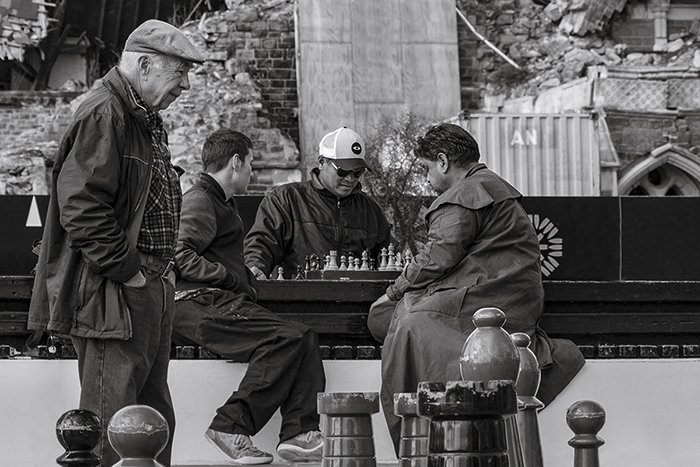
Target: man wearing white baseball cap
(328, 212)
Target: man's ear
(443, 163)
(236, 162)
(144, 65)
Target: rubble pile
(26, 170)
(224, 93)
(554, 44)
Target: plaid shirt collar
(153, 119)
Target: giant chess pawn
(526, 387)
(585, 418)
(489, 353)
(138, 433)
(78, 431)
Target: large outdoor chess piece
(489, 354)
(413, 446)
(78, 431)
(467, 428)
(585, 418)
(138, 433)
(526, 387)
(348, 439)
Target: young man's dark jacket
(101, 175)
(210, 245)
(304, 218)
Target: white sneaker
(238, 447)
(304, 447)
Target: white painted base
(651, 406)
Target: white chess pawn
(408, 258)
(382, 260)
(365, 261)
(357, 264)
(351, 262)
(280, 273)
(343, 262)
(398, 266)
(327, 262)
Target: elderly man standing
(105, 275)
(328, 212)
(481, 251)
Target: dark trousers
(285, 369)
(116, 373)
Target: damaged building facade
(605, 94)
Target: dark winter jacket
(303, 218)
(101, 175)
(482, 251)
(210, 244)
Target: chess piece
(347, 433)
(585, 418)
(307, 265)
(78, 431)
(280, 273)
(490, 354)
(372, 264)
(351, 262)
(466, 421)
(398, 265)
(413, 446)
(313, 262)
(300, 274)
(138, 433)
(526, 387)
(327, 262)
(391, 258)
(333, 265)
(365, 261)
(357, 264)
(382, 259)
(343, 262)
(407, 258)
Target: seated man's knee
(379, 319)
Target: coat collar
(212, 185)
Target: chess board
(348, 275)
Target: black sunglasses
(342, 173)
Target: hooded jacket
(304, 218)
(100, 179)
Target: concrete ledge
(651, 408)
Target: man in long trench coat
(481, 251)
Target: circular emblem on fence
(551, 246)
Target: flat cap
(155, 36)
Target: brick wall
(637, 34)
(260, 41)
(30, 117)
(635, 134)
(469, 75)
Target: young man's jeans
(117, 373)
(285, 369)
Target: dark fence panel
(581, 238)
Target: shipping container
(543, 154)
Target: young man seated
(215, 308)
